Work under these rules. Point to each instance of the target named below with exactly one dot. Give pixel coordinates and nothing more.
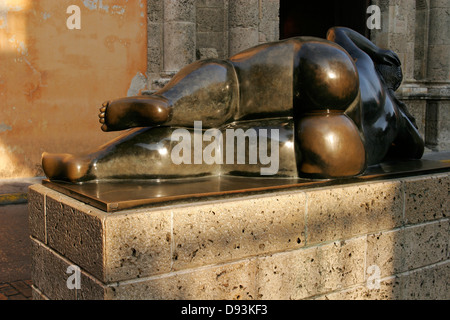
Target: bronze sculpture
(331, 103)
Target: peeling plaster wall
(53, 80)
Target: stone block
(213, 40)
(91, 288)
(429, 283)
(75, 230)
(214, 3)
(438, 68)
(426, 198)
(36, 212)
(210, 20)
(443, 124)
(311, 271)
(155, 61)
(138, 245)
(241, 39)
(176, 10)
(155, 11)
(155, 35)
(269, 31)
(408, 248)
(36, 295)
(385, 252)
(270, 10)
(200, 4)
(243, 13)
(179, 45)
(426, 244)
(439, 4)
(234, 281)
(207, 53)
(440, 25)
(339, 213)
(387, 289)
(49, 273)
(227, 231)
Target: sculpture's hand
(389, 57)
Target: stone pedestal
(371, 240)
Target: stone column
(179, 34)
(439, 41)
(397, 31)
(243, 21)
(212, 29)
(401, 34)
(155, 34)
(438, 75)
(269, 20)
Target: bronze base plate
(116, 195)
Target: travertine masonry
(379, 240)
(180, 32)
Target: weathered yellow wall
(53, 80)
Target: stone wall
(180, 32)
(54, 79)
(378, 240)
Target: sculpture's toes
(102, 116)
(65, 167)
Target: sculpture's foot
(131, 112)
(65, 167)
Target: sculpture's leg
(206, 90)
(140, 153)
(66, 167)
(266, 148)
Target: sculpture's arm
(408, 143)
(354, 42)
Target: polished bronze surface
(331, 101)
(330, 145)
(116, 195)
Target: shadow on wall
(341, 243)
(53, 79)
(355, 242)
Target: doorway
(314, 18)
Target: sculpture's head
(391, 74)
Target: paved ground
(17, 290)
(15, 258)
